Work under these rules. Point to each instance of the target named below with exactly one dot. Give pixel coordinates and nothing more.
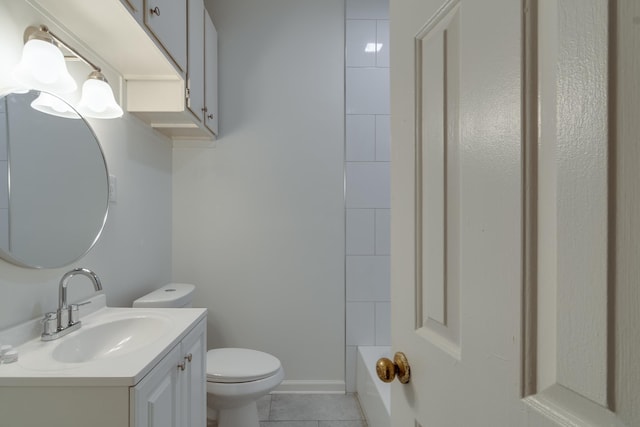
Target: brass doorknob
(388, 370)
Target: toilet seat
(240, 365)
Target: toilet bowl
(236, 377)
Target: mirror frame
(8, 256)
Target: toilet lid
(237, 365)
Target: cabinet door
(195, 69)
(134, 6)
(156, 399)
(167, 21)
(210, 74)
(193, 379)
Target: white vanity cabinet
(173, 394)
(162, 384)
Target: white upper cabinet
(135, 6)
(167, 21)
(166, 51)
(195, 50)
(211, 75)
(185, 109)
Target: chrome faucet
(66, 319)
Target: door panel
(512, 237)
(437, 180)
(456, 174)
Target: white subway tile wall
(361, 43)
(361, 228)
(383, 138)
(367, 90)
(368, 185)
(361, 138)
(368, 278)
(367, 9)
(383, 232)
(367, 169)
(361, 323)
(4, 179)
(382, 42)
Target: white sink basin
(109, 339)
(114, 346)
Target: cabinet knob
(189, 357)
(210, 116)
(182, 366)
(155, 11)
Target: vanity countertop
(125, 363)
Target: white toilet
(236, 377)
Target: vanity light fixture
(50, 104)
(97, 98)
(43, 68)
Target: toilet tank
(173, 295)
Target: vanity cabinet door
(156, 399)
(210, 74)
(167, 21)
(193, 379)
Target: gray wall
(258, 220)
(133, 255)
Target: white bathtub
(374, 395)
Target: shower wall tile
(383, 323)
(383, 138)
(368, 185)
(4, 228)
(361, 138)
(360, 38)
(350, 368)
(3, 132)
(360, 231)
(367, 9)
(382, 39)
(383, 231)
(4, 184)
(368, 278)
(367, 91)
(360, 323)
(367, 176)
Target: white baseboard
(310, 387)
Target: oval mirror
(54, 184)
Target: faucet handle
(50, 323)
(74, 312)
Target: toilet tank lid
(170, 295)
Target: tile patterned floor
(309, 410)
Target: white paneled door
(514, 239)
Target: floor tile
(264, 407)
(323, 407)
(342, 424)
(289, 424)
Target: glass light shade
(97, 100)
(49, 104)
(42, 67)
